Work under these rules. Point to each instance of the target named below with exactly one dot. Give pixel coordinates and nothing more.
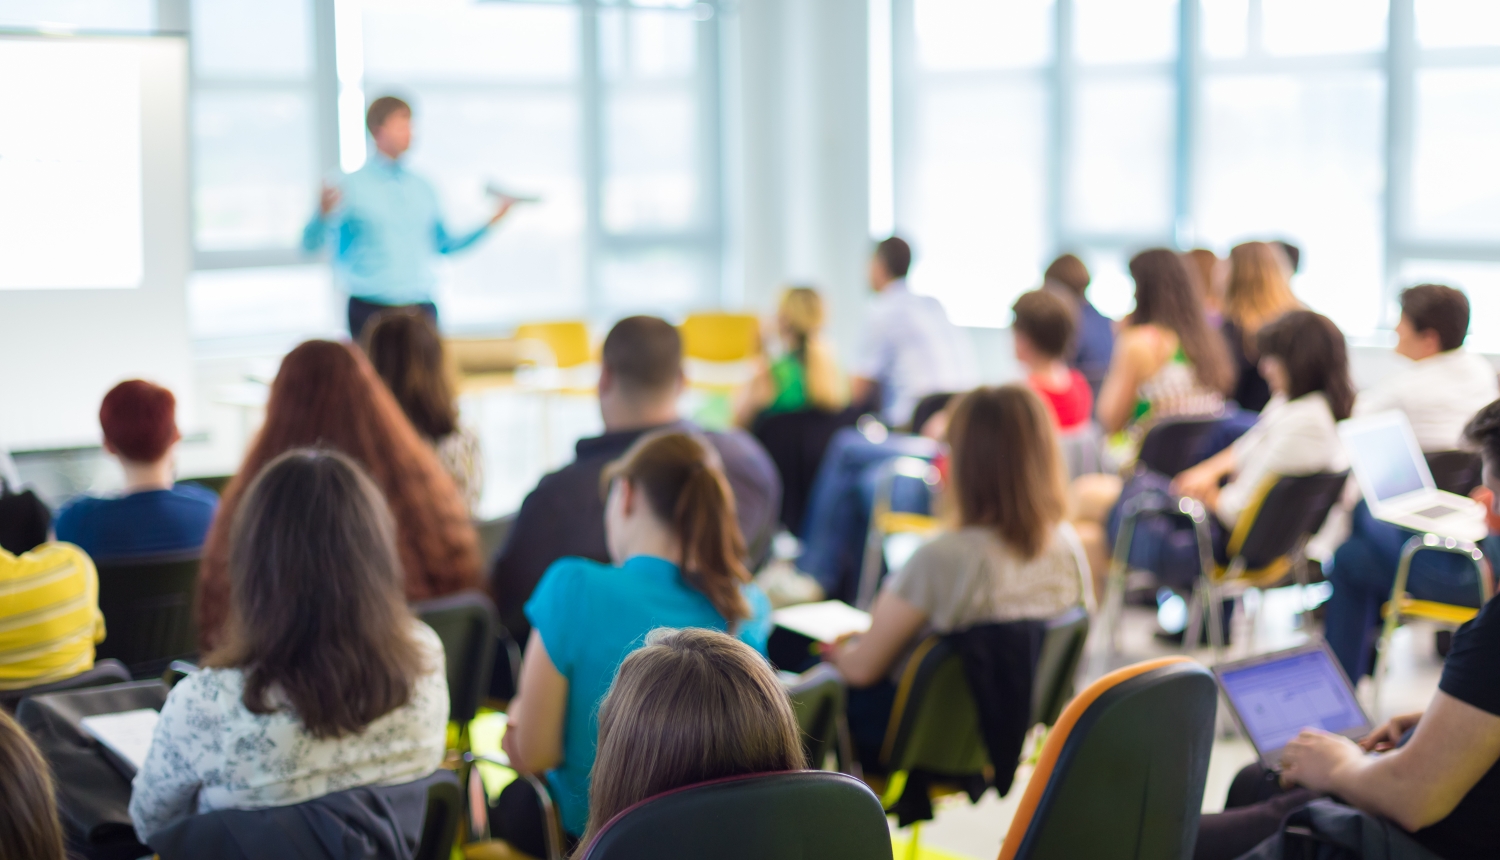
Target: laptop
(1274, 696)
(1397, 484)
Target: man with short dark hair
(153, 514)
(1095, 343)
(910, 349)
(384, 224)
(639, 385)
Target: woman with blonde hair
(691, 706)
(805, 376)
(1259, 291)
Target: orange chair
(1121, 776)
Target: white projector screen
(95, 244)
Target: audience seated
(1305, 361)
(639, 386)
(806, 374)
(25, 520)
(1044, 332)
(29, 826)
(1013, 555)
(49, 615)
(677, 559)
(1440, 392)
(691, 706)
(1259, 290)
(1438, 775)
(910, 349)
(405, 349)
(1208, 274)
(153, 514)
(327, 394)
(324, 680)
(1096, 332)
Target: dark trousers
(1253, 812)
(516, 817)
(360, 312)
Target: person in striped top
(49, 615)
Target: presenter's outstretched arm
(447, 244)
(316, 231)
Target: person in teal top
(678, 553)
(385, 226)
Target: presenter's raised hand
(502, 208)
(328, 200)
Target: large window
(1360, 130)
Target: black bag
(24, 520)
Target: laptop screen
(1384, 460)
(1278, 698)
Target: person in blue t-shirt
(678, 562)
(153, 515)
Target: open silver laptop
(1275, 696)
(1397, 484)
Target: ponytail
(679, 476)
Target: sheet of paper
(127, 734)
(825, 621)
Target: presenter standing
(384, 224)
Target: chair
(796, 442)
(1173, 445)
(1455, 472)
(819, 699)
(1121, 776)
(1402, 607)
(718, 336)
(440, 824)
(148, 605)
(469, 626)
(1057, 665)
(104, 672)
(1267, 542)
(885, 522)
(492, 535)
(569, 341)
(216, 483)
(830, 816)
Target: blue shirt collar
(650, 565)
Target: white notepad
(825, 621)
(126, 734)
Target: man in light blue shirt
(384, 225)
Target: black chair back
(1455, 471)
(818, 699)
(1173, 445)
(1057, 665)
(1294, 508)
(469, 627)
(796, 442)
(444, 811)
(808, 814)
(104, 672)
(148, 605)
(1124, 772)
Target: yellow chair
(720, 336)
(885, 522)
(569, 341)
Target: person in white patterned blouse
(325, 681)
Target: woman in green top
(805, 375)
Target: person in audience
(1096, 332)
(691, 706)
(29, 827)
(1043, 330)
(639, 386)
(1437, 775)
(1259, 290)
(1013, 555)
(324, 680)
(153, 514)
(1207, 272)
(806, 375)
(327, 394)
(911, 349)
(25, 520)
(1439, 393)
(1292, 252)
(405, 349)
(678, 561)
(49, 615)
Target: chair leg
(912, 847)
(1107, 643)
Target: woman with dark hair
(29, 826)
(323, 680)
(327, 394)
(691, 706)
(405, 350)
(1259, 290)
(678, 562)
(1013, 556)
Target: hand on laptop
(1387, 736)
(1312, 758)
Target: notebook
(824, 622)
(125, 736)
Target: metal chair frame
(885, 522)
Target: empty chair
(104, 672)
(806, 814)
(148, 605)
(885, 522)
(568, 341)
(469, 627)
(492, 534)
(1121, 776)
(819, 699)
(719, 336)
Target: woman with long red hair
(327, 394)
